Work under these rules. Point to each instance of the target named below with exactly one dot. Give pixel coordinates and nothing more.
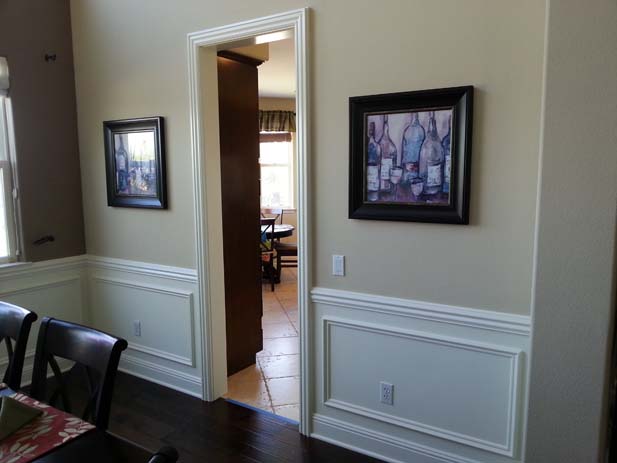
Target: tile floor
(273, 383)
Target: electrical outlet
(137, 328)
(386, 393)
(338, 266)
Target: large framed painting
(135, 163)
(410, 156)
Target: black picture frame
(135, 183)
(458, 101)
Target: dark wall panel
(43, 99)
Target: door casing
(214, 374)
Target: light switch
(338, 266)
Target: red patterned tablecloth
(46, 432)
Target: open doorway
(259, 183)
(210, 302)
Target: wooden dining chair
(15, 324)
(266, 246)
(165, 455)
(286, 252)
(96, 352)
(275, 213)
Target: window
(8, 236)
(277, 174)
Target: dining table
(281, 230)
(92, 446)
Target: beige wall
(43, 100)
(573, 311)
(131, 61)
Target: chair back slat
(96, 351)
(15, 325)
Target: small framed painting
(135, 163)
(410, 156)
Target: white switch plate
(338, 266)
(137, 328)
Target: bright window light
(276, 160)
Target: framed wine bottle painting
(135, 163)
(410, 156)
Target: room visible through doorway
(271, 382)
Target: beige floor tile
(296, 326)
(284, 391)
(280, 346)
(272, 306)
(274, 316)
(280, 366)
(288, 304)
(252, 373)
(249, 392)
(278, 330)
(288, 288)
(289, 411)
(293, 315)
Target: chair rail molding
(409, 308)
(297, 21)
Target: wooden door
(239, 140)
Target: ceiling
(277, 76)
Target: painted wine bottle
(413, 137)
(388, 157)
(432, 159)
(448, 158)
(373, 160)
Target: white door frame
(297, 21)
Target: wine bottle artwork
(135, 163)
(410, 155)
(410, 162)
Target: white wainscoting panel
(458, 378)
(51, 289)
(162, 299)
(109, 294)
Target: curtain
(273, 137)
(4, 77)
(277, 121)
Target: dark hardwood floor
(153, 416)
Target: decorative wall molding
(158, 289)
(379, 445)
(162, 354)
(157, 365)
(34, 287)
(26, 269)
(142, 268)
(145, 287)
(509, 354)
(473, 318)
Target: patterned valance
(277, 121)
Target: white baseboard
(168, 377)
(378, 445)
